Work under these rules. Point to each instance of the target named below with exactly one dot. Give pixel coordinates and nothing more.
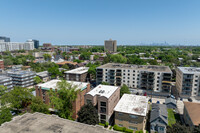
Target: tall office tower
(22, 78)
(188, 81)
(4, 39)
(156, 78)
(110, 45)
(35, 42)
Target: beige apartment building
(105, 98)
(188, 81)
(79, 74)
(131, 111)
(151, 77)
(110, 45)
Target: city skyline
(91, 22)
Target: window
(120, 125)
(120, 114)
(133, 70)
(88, 101)
(128, 74)
(133, 116)
(128, 70)
(103, 104)
(103, 116)
(124, 70)
(158, 73)
(132, 128)
(106, 70)
(102, 110)
(133, 122)
(196, 80)
(195, 85)
(161, 128)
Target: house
(131, 112)
(42, 92)
(191, 113)
(158, 118)
(105, 98)
(171, 103)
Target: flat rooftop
(52, 84)
(152, 68)
(20, 72)
(103, 90)
(132, 104)
(43, 74)
(190, 70)
(42, 123)
(79, 70)
(193, 110)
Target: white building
(149, 77)
(188, 81)
(12, 46)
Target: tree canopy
(124, 90)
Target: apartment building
(110, 45)
(6, 81)
(105, 98)
(22, 78)
(131, 111)
(42, 92)
(188, 81)
(79, 74)
(12, 46)
(156, 78)
(43, 75)
(35, 42)
(4, 39)
(191, 113)
(2, 64)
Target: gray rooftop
(20, 72)
(151, 68)
(43, 74)
(190, 70)
(170, 100)
(159, 111)
(42, 123)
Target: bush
(110, 127)
(101, 124)
(129, 131)
(106, 124)
(139, 131)
(117, 128)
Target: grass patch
(171, 117)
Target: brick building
(79, 74)
(2, 64)
(42, 92)
(104, 97)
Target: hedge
(122, 129)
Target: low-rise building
(191, 113)
(156, 78)
(159, 118)
(104, 97)
(42, 92)
(79, 74)
(171, 103)
(2, 64)
(6, 81)
(131, 112)
(22, 78)
(44, 76)
(188, 81)
(43, 123)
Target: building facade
(2, 64)
(42, 92)
(79, 74)
(35, 42)
(4, 39)
(191, 113)
(131, 111)
(22, 78)
(188, 81)
(12, 46)
(6, 81)
(156, 78)
(105, 98)
(110, 45)
(159, 118)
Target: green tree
(124, 90)
(18, 98)
(118, 58)
(2, 90)
(178, 128)
(54, 71)
(88, 115)
(47, 56)
(37, 105)
(63, 99)
(37, 79)
(105, 83)
(5, 115)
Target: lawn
(171, 117)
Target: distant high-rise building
(110, 45)
(4, 39)
(12, 46)
(35, 42)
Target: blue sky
(93, 21)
